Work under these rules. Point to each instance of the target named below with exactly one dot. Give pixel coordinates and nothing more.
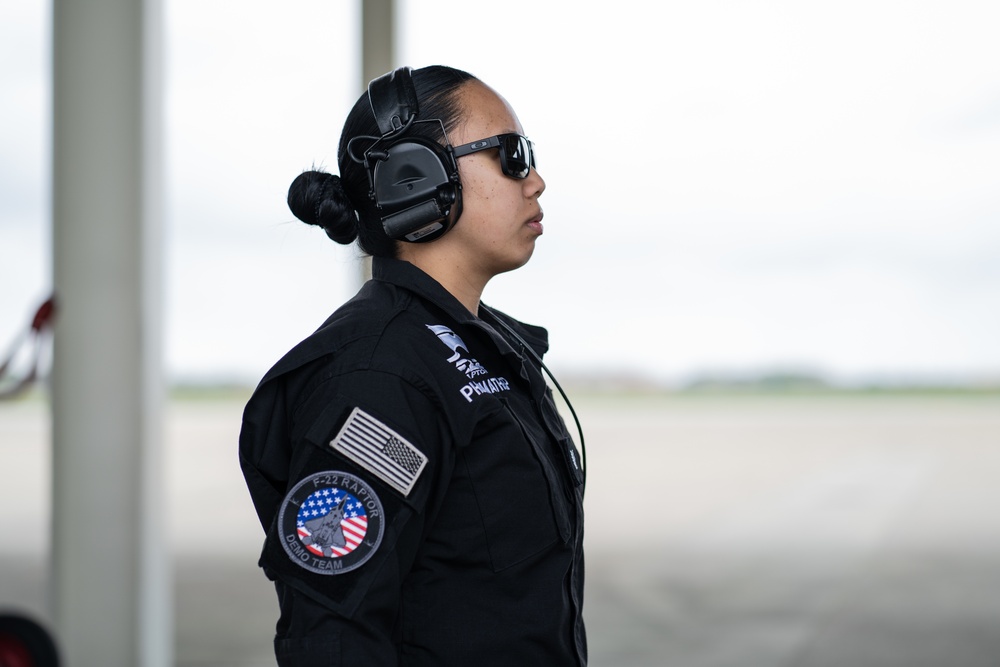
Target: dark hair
(340, 204)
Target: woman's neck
(461, 281)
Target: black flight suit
(422, 498)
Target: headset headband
(394, 100)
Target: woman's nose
(534, 183)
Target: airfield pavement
(749, 531)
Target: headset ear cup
(416, 190)
(414, 180)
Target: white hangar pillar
(110, 567)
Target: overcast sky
(731, 186)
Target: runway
(797, 531)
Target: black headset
(414, 180)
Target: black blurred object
(25, 643)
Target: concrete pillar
(110, 560)
(378, 56)
(378, 38)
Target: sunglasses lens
(518, 156)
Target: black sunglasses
(517, 153)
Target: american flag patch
(380, 450)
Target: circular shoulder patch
(331, 523)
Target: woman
(421, 496)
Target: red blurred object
(41, 321)
(13, 652)
(44, 315)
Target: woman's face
(501, 216)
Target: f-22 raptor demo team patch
(331, 523)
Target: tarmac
(749, 531)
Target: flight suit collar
(407, 276)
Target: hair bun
(318, 198)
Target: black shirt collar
(409, 277)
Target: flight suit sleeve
(370, 456)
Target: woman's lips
(536, 223)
